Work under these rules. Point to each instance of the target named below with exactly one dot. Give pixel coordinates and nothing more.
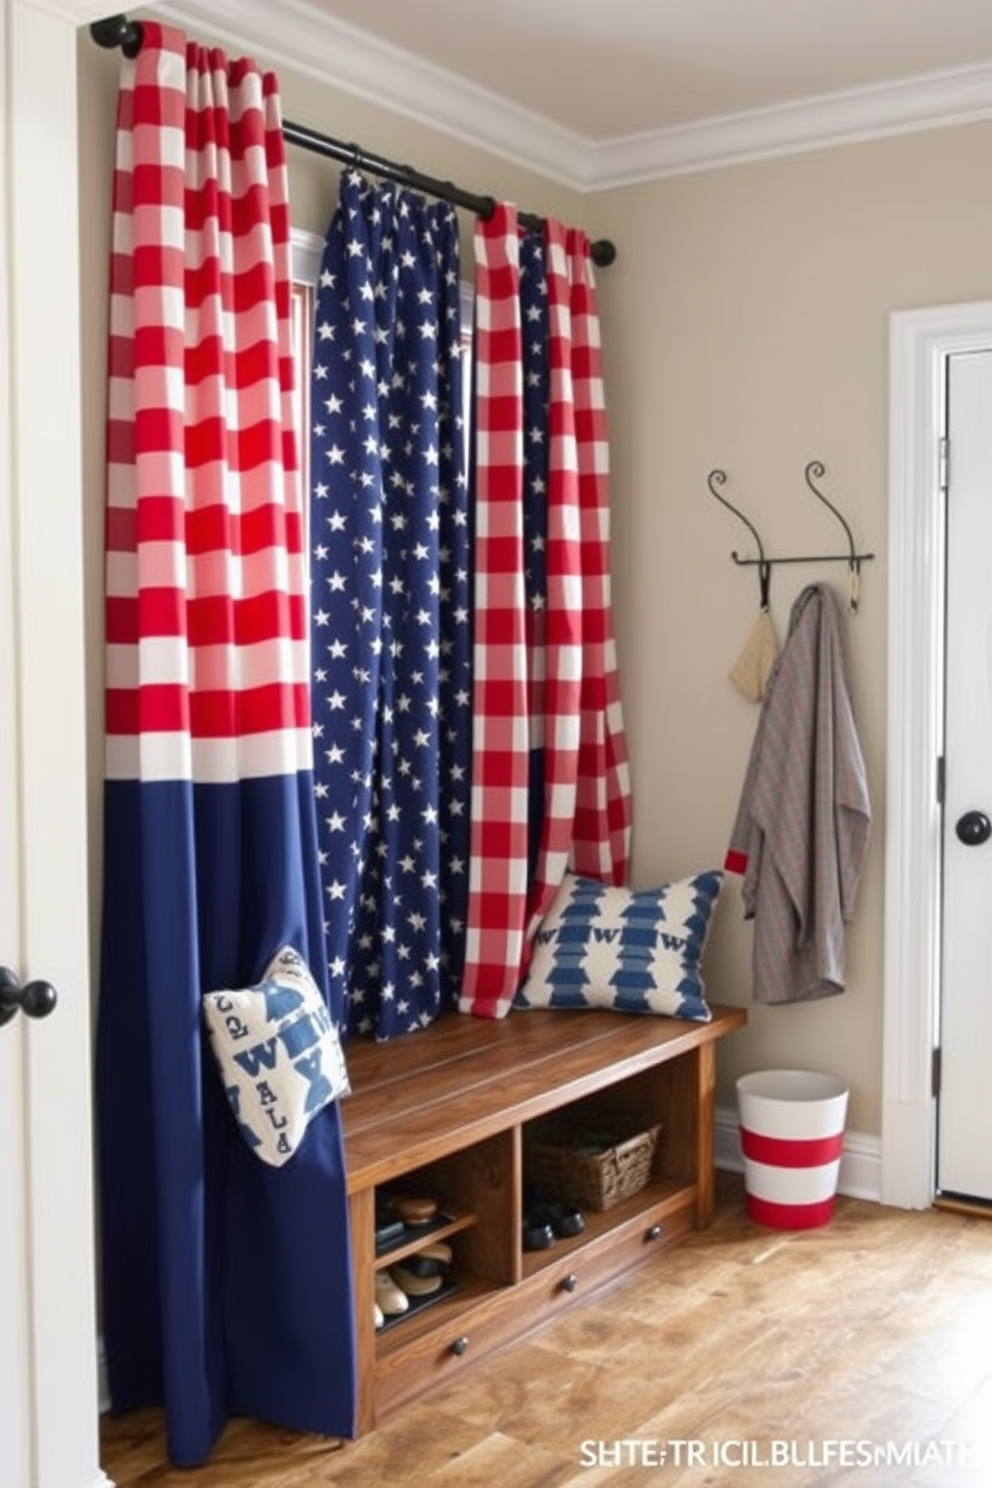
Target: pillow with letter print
(637, 951)
(278, 1053)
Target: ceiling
(598, 92)
(611, 68)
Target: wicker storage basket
(590, 1160)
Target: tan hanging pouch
(751, 670)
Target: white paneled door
(964, 1152)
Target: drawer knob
(460, 1346)
(569, 1282)
(654, 1233)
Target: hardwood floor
(767, 1355)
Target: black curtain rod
(118, 31)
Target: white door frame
(49, 1391)
(920, 343)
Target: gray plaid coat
(802, 824)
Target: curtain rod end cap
(118, 31)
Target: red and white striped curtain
(563, 691)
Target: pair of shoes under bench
(420, 1275)
(547, 1220)
(390, 1298)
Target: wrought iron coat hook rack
(814, 472)
(719, 478)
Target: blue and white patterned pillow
(638, 951)
(279, 1055)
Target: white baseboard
(860, 1165)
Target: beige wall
(745, 325)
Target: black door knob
(35, 999)
(973, 828)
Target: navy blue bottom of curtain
(226, 1282)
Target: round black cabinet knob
(569, 1282)
(35, 999)
(460, 1346)
(654, 1233)
(973, 828)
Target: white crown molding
(296, 35)
(929, 102)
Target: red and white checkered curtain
(585, 815)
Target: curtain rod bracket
(118, 31)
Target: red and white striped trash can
(792, 1137)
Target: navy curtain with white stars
(536, 392)
(391, 636)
